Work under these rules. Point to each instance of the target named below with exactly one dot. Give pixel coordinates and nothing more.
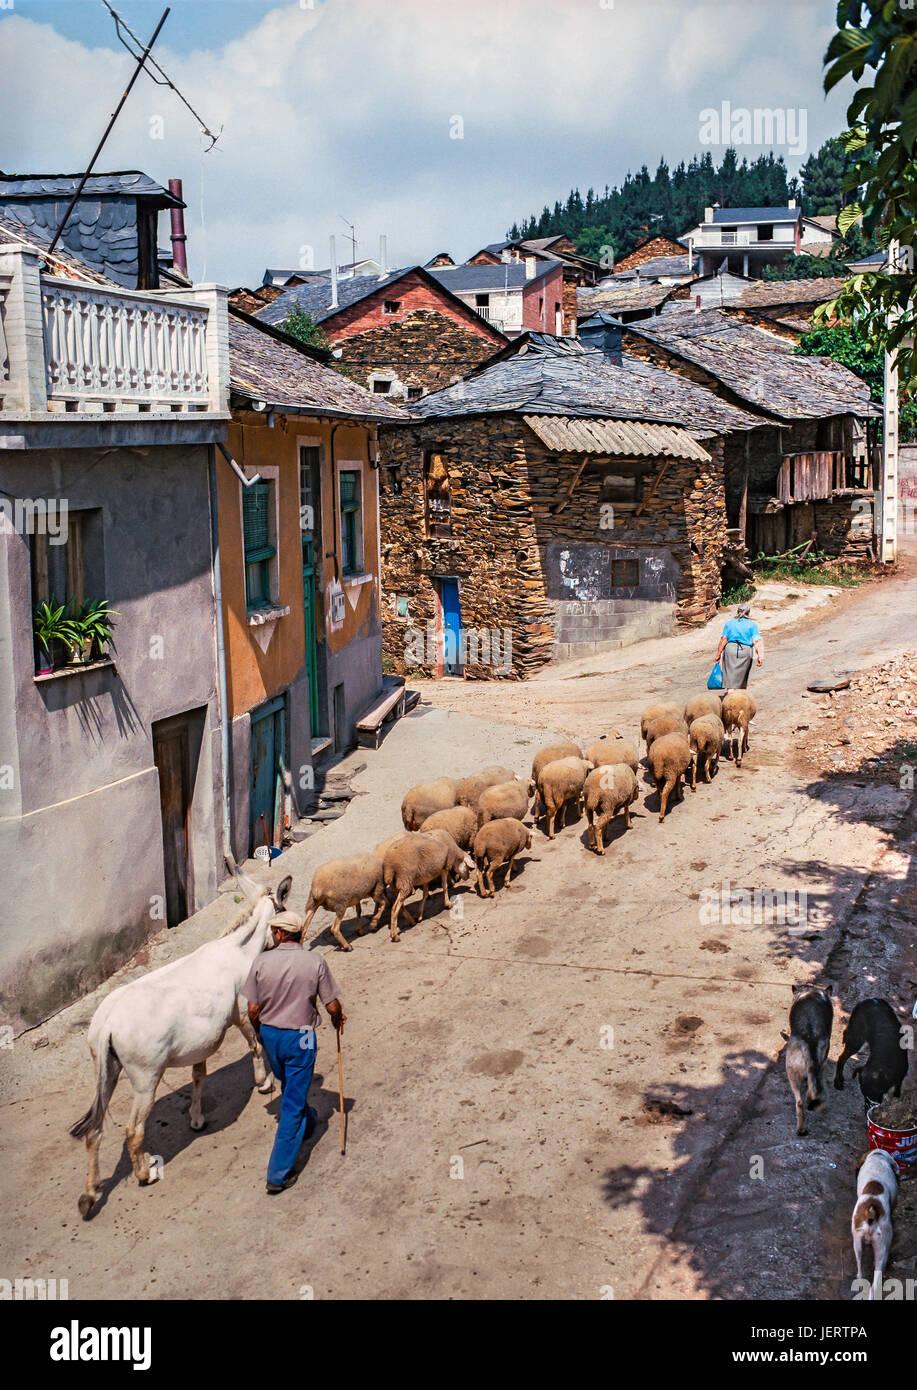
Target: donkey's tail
(108, 1069)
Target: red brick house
(578, 270)
(400, 334)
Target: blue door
(266, 790)
(452, 627)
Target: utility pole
(887, 520)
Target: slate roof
(315, 299)
(656, 266)
(62, 262)
(783, 214)
(770, 292)
(466, 279)
(131, 182)
(265, 365)
(621, 299)
(584, 384)
(757, 366)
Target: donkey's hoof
(266, 1087)
(86, 1203)
(198, 1123)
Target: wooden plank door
(171, 757)
(263, 773)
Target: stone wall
(426, 349)
(543, 576)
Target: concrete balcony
(70, 348)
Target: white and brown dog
(871, 1224)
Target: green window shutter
(255, 504)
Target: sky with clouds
(350, 109)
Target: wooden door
(267, 773)
(171, 757)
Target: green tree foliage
(823, 179)
(849, 344)
(880, 35)
(299, 324)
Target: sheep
(421, 801)
(460, 821)
(656, 712)
(468, 789)
(498, 842)
(664, 724)
(508, 799)
(343, 883)
(414, 862)
(739, 709)
(381, 848)
(706, 736)
(669, 759)
(612, 750)
(699, 705)
(565, 749)
(608, 789)
(561, 782)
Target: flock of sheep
(453, 826)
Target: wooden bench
(390, 703)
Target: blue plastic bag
(715, 679)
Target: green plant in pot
(55, 631)
(95, 624)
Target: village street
(558, 1093)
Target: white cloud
(346, 108)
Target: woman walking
(740, 644)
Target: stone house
(512, 295)
(649, 249)
(297, 491)
(112, 403)
(556, 502)
(810, 469)
(399, 335)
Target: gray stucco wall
(593, 615)
(80, 829)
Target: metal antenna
(352, 239)
(117, 111)
(163, 80)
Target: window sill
(257, 616)
(78, 668)
(356, 578)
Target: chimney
(383, 267)
(530, 267)
(179, 255)
(791, 203)
(603, 335)
(690, 255)
(708, 214)
(334, 276)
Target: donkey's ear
(283, 889)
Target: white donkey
(176, 1016)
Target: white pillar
(888, 492)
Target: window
(310, 472)
(256, 530)
(765, 231)
(391, 306)
(622, 490)
(415, 393)
(382, 386)
(625, 574)
(481, 301)
(437, 490)
(351, 522)
(67, 566)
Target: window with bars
(351, 521)
(259, 552)
(437, 489)
(625, 574)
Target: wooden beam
(576, 477)
(655, 483)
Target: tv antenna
(352, 239)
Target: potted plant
(55, 631)
(94, 623)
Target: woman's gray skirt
(736, 663)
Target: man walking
(282, 988)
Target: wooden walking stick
(341, 1091)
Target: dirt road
(568, 1092)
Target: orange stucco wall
(254, 675)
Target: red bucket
(900, 1143)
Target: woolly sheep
(414, 862)
(706, 736)
(664, 724)
(656, 712)
(468, 790)
(460, 821)
(739, 709)
(343, 883)
(421, 801)
(509, 799)
(699, 705)
(565, 749)
(608, 789)
(561, 782)
(614, 749)
(669, 759)
(498, 842)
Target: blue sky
(351, 108)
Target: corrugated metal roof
(631, 438)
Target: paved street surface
(571, 1091)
